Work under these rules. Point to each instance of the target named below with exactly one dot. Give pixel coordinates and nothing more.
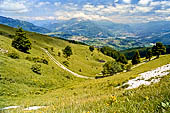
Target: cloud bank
(121, 11)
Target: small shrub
(67, 51)
(40, 60)
(59, 54)
(52, 49)
(66, 63)
(91, 48)
(13, 55)
(36, 68)
(29, 58)
(44, 61)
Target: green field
(61, 92)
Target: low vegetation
(110, 68)
(36, 68)
(91, 48)
(67, 51)
(13, 55)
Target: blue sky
(121, 11)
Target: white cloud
(144, 2)
(65, 15)
(127, 1)
(165, 11)
(28, 18)
(40, 4)
(160, 3)
(141, 9)
(13, 7)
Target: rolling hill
(25, 25)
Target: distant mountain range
(99, 33)
(25, 25)
(88, 28)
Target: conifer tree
(158, 49)
(136, 58)
(21, 42)
(149, 54)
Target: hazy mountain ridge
(25, 25)
(88, 28)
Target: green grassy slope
(17, 78)
(95, 96)
(63, 93)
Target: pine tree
(21, 42)
(136, 58)
(158, 49)
(149, 54)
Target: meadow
(61, 92)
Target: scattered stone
(149, 77)
(34, 108)
(3, 51)
(10, 107)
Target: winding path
(60, 65)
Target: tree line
(120, 63)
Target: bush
(36, 68)
(59, 54)
(52, 49)
(29, 58)
(40, 60)
(13, 55)
(67, 51)
(111, 68)
(66, 63)
(44, 61)
(91, 48)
